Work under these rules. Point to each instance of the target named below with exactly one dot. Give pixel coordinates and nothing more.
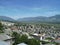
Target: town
(29, 22)
(17, 33)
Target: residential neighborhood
(41, 32)
(29, 22)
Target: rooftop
(4, 37)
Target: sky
(29, 8)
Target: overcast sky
(29, 8)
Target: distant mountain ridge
(5, 18)
(55, 18)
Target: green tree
(33, 42)
(19, 39)
(16, 38)
(1, 28)
(24, 38)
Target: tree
(19, 39)
(24, 39)
(1, 28)
(33, 42)
(16, 38)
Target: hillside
(55, 18)
(4, 18)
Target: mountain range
(5, 18)
(55, 18)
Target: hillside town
(29, 22)
(45, 34)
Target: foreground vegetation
(1, 28)
(24, 39)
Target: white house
(39, 36)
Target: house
(6, 38)
(39, 36)
(7, 23)
(58, 40)
(8, 32)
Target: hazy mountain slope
(4, 18)
(55, 18)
